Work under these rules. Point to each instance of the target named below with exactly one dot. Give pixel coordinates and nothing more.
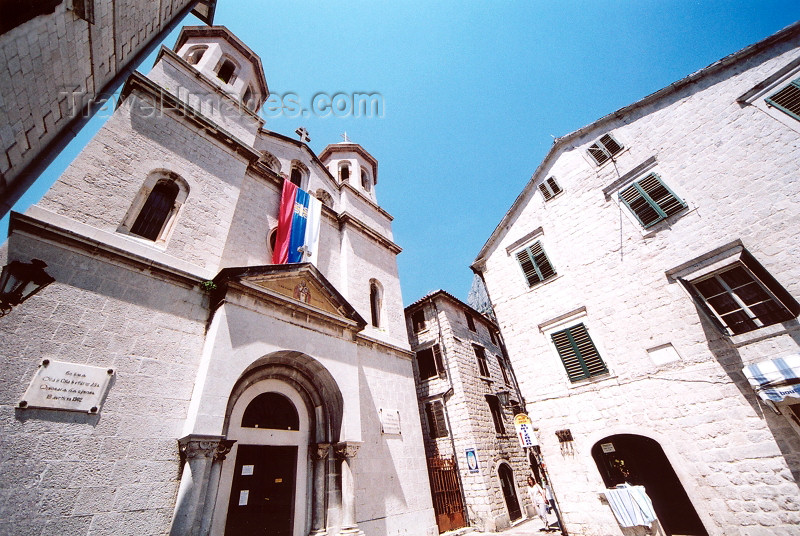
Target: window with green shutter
(535, 264)
(650, 200)
(604, 149)
(549, 188)
(787, 99)
(578, 353)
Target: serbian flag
(298, 226)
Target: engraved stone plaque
(390, 421)
(68, 386)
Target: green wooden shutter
(787, 99)
(578, 353)
(535, 264)
(650, 200)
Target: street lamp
(504, 397)
(21, 280)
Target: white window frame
(548, 187)
(537, 235)
(611, 158)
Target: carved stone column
(345, 452)
(199, 453)
(221, 452)
(319, 460)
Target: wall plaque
(68, 386)
(390, 421)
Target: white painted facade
(673, 375)
(189, 356)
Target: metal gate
(447, 501)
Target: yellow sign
(522, 418)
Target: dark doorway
(640, 461)
(262, 493)
(446, 493)
(509, 491)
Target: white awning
(775, 379)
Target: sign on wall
(68, 387)
(472, 460)
(525, 433)
(390, 421)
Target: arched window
(366, 184)
(325, 198)
(344, 172)
(272, 237)
(156, 210)
(299, 173)
(195, 54)
(375, 302)
(249, 98)
(272, 411)
(226, 70)
(296, 177)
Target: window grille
(535, 264)
(650, 200)
(549, 188)
(604, 149)
(578, 353)
(787, 99)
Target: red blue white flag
(298, 226)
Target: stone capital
(319, 451)
(195, 446)
(346, 449)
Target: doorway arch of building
(641, 461)
(510, 493)
(289, 467)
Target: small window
(604, 149)
(375, 299)
(429, 363)
(549, 188)
(272, 411)
(650, 200)
(344, 173)
(366, 184)
(744, 296)
(296, 177)
(497, 413)
(226, 70)
(787, 99)
(195, 54)
(249, 98)
(418, 321)
(480, 355)
(503, 369)
(578, 353)
(156, 210)
(470, 322)
(325, 198)
(535, 265)
(272, 238)
(492, 336)
(434, 411)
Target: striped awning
(775, 379)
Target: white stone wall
(736, 167)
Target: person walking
(539, 500)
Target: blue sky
(473, 94)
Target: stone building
(58, 56)
(228, 395)
(460, 367)
(649, 268)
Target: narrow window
(248, 99)
(375, 303)
(296, 177)
(437, 426)
(429, 363)
(492, 336)
(480, 355)
(650, 200)
(497, 414)
(604, 149)
(502, 364)
(225, 72)
(470, 322)
(578, 353)
(344, 173)
(418, 320)
(365, 182)
(156, 210)
(535, 264)
(744, 297)
(195, 54)
(787, 99)
(549, 188)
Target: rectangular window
(549, 188)
(787, 99)
(497, 414)
(483, 366)
(429, 363)
(744, 296)
(470, 322)
(650, 200)
(437, 426)
(535, 264)
(492, 336)
(603, 149)
(418, 321)
(502, 364)
(578, 353)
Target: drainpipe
(446, 396)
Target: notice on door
(68, 386)
(608, 448)
(247, 470)
(244, 495)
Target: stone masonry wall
(736, 167)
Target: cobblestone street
(529, 527)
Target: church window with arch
(153, 213)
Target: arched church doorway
(267, 476)
(640, 461)
(509, 491)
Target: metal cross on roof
(303, 133)
(344, 137)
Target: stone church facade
(646, 282)
(233, 382)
